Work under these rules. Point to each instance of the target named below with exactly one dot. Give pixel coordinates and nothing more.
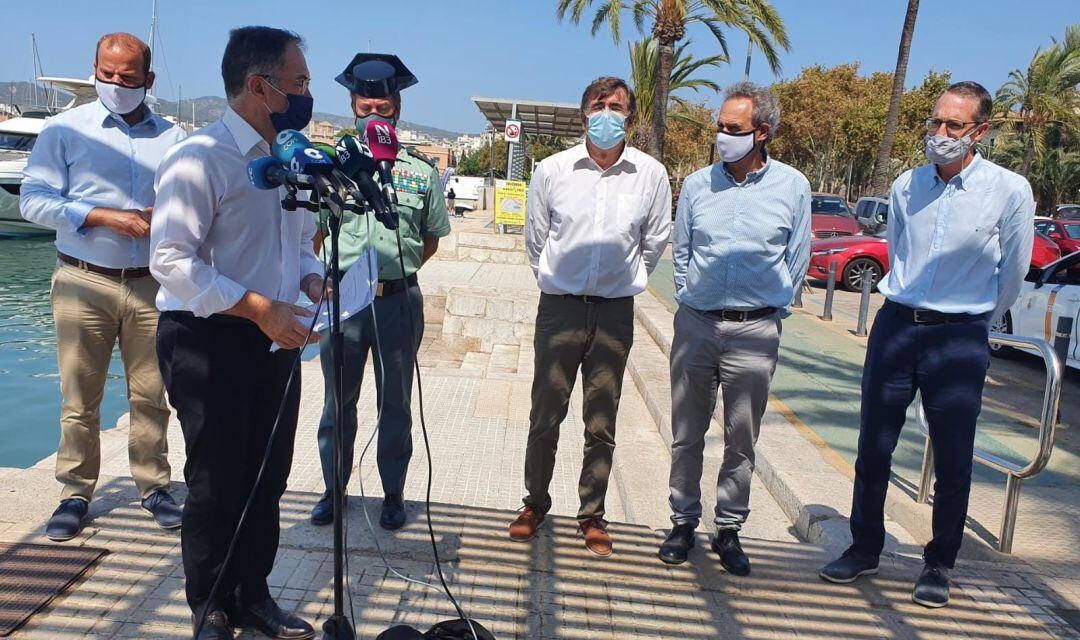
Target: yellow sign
(510, 202)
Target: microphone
(382, 140)
(295, 151)
(355, 161)
(267, 173)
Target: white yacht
(17, 137)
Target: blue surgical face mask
(296, 116)
(362, 121)
(606, 129)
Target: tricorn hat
(376, 75)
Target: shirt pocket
(628, 215)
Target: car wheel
(1003, 325)
(858, 269)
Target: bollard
(797, 302)
(1061, 337)
(864, 304)
(830, 288)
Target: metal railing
(1015, 473)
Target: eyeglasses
(301, 86)
(952, 126)
(732, 129)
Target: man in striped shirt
(741, 246)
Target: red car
(1066, 233)
(831, 217)
(861, 256)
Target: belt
(390, 287)
(588, 299)
(734, 315)
(928, 316)
(130, 272)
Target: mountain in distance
(207, 109)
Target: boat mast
(153, 32)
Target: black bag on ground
(457, 629)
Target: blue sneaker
(322, 513)
(161, 505)
(67, 521)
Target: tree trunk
(660, 99)
(1029, 153)
(879, 184)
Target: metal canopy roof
(537, 118)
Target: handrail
(1014, 471)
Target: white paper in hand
(356, 293)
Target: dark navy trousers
(947, 363)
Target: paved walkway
(476, 405)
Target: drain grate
(31, 575)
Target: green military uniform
(421, 212)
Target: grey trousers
(739, 358)
(571, 335)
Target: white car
(1045, 295)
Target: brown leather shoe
(524, 527)
(597, 540)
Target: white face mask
(120, 100)
(732, 148)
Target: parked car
(831, 216)
(858, 257)
(872, 214)
(1067, 212)
(1066, 233)
(1046, 294)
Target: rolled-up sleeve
(43, 196)
(183, 215)
(537, 217)
(1017, 236)
(657, 227)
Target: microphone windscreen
(257, 172)
(354, 157)
(382, 140)
(286, 144)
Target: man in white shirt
(91, 178)
(231, 263)
(597, 220)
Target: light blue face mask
(606, 128)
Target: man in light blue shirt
(960, 237)
(741, 245)
(91, 178)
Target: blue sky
(516, 48)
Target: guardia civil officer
(375, 82)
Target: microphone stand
(337, 626)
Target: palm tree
(1044, 96)
(670, 18)
(644, 71)
(883, 166)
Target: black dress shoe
(161, 505)
(268, 618)
(677, 544)
(216, 627)
(932, 588)
(323, 512)
(726, 544)
(848, 567)
(67, 521)
(393, 512)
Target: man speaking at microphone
(231, 262)
(375, 82)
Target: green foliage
(644, 70)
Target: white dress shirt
(214, 236)
(89, 157)
(595, 232)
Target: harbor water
(29, 382)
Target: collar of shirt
(148, 119)
(244, 135)
(585, 161)
(751, 176)
(962, 180)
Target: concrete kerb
(811, 491)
